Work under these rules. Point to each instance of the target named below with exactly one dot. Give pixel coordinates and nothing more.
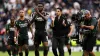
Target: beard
(12, 24)
(21, 16)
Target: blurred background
(9, 8)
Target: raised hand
(64, 22)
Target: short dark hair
(41, 3)
(59, 9)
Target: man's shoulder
(64, 16)
(27, 20)
(17, 20)
(94, 18)
(7, 25)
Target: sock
(20, 54)
(26, 52)
(9, 52)
(55, 52)
(69, 51)
(36, 53)
(45, 52)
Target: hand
(15, 39)
(5, 41)
(64, 23)
(32, 37)
(69, 35)
(52, 23)
(36, 9)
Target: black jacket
(59, 29)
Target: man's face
(87, 16)
(58, 12)
(21, 13)
(40, 7)
(12, 21)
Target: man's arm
(99, 25)
(92, 26)
(30, 26)
(33, 20)
(52, 23)
(16, 32)
(89, 27)
(5, 39)
(45, 18)
(31, 31)
(65, 21)
(16, 29)
(37, 11)
(5, 34)
(15, 35)
(7, 29)
(71, 30)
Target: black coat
(59, 29)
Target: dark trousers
(58, 42)
(89, 42)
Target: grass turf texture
(31, 53)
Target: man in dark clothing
(23, 26)
(11, 43)
(89, 29)
(68, 34)
(59, 26)
(40, 20)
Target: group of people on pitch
(62, 31)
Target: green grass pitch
(31, 53)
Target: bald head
(87, 14)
